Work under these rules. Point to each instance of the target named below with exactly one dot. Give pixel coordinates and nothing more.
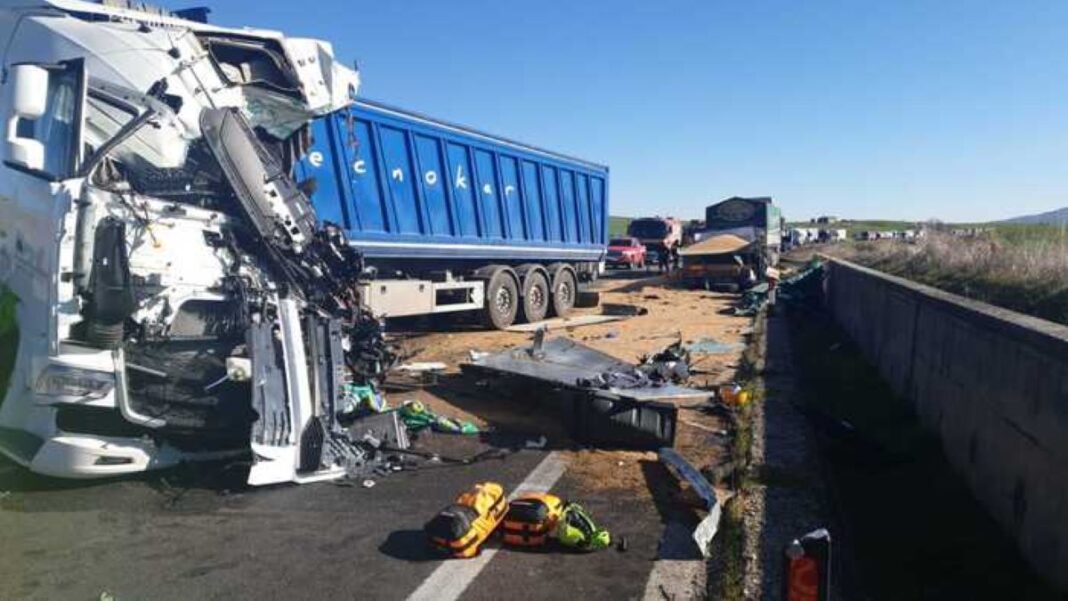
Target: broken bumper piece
(298, 374)
(633, 414)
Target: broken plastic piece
(422, 366)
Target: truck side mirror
(29, 102)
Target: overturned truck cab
(176, 297)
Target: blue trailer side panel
(406, 186)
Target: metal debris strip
(711, 346)
(564, 322)
(707, 528)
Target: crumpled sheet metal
(569, 363)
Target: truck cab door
(42, 107)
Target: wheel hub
(503, 299)
(537, 296)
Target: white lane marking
(682, 576)
(453, 576)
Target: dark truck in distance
(658, 234)
(451, 219)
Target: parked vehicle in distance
(626, 252)
(658, 234)
(452, 219)
(756, 220)
(721, 261)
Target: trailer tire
(535, 294)
(564, 290)
(502, 298)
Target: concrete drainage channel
(830, 444)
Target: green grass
(617, 226)
(1022, 234)
(1019, 267)
(727, 567)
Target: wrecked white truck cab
(176, 298)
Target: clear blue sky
(899, 109)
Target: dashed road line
(452, 577)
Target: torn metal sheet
(558, 323)
(605, 401)
(706, 530)
(570, 363)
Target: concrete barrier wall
(992, 383)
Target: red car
(626, 252)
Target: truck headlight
(71, 383)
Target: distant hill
(1054, 217)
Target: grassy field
(1019, 267)
(617, 226)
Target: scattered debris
(564, 322)
(753, 300)
(368, 483)
(706, 530)
(421, 366)
(732, 394)
(386, 428)
(621, 309)
(356, 399)
(418, 417)
(716, 431)
(537, 444)
(711, 346)
(671, 364)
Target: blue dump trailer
(452, 219)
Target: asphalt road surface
(199, 534)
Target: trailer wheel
(502, 299)
(535, 303)
(565, 291)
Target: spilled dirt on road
(668, 314)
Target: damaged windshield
(155, 159)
